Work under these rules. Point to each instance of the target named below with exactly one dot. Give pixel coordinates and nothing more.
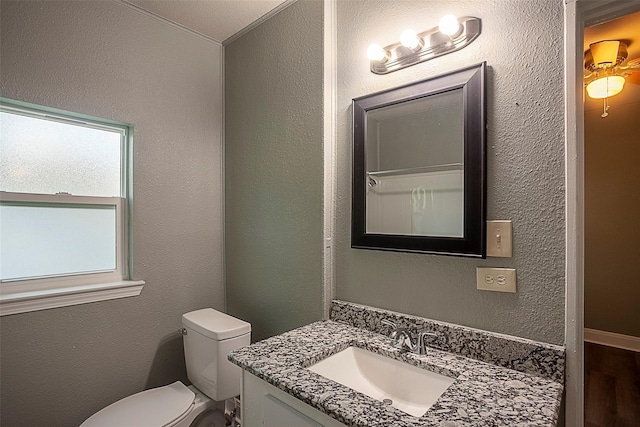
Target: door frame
(578, 15)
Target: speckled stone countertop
(483, 394)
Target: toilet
(208, 337)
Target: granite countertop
(483, 394)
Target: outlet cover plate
(496, 279)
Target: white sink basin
(411, 389)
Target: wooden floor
(612, 387)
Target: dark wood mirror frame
(472, 82)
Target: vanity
(465, 376)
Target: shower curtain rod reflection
(408, 171)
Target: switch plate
(499, 239)
(496, 279)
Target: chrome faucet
(401, 338)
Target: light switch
(499, 239)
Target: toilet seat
(158, 407)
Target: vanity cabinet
(264, 405)
(279, 389)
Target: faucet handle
(388, 322)
(392, 325)
(421, 346)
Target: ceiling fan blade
(605, 53)
(634, 78)
(633, 63)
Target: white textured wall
(104, 59)
(522, 42)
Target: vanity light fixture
(410, 39)
(449, 25)
(377, 53)
(452, 34)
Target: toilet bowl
(209, 336)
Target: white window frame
(24, 295)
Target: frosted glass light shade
(605, 87)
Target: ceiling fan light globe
(605, 87)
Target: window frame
(30, 294)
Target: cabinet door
(264, 405)
(278, 414)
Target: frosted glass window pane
(40, 241)
(47, 157)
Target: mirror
(419, 166)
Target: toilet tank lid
(214, 324)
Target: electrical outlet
(496, 279)
(499, 238)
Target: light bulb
(449, 25)
(409, 39)
(605, 87)
(376, 53)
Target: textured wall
(431, 137)
(522, 43)
(273, 171)
(104, 59)
(612, 225)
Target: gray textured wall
(612, 213)
(273, 171)
(431, 138)
(104, 59)
(525, 165)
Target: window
(64, 202)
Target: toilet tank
(210, 336)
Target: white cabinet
(276, 413)
(264, 405)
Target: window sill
(23, 302)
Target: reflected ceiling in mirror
(419, 166)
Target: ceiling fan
(607, 76)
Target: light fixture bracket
(435, 44)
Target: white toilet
(208, 337)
